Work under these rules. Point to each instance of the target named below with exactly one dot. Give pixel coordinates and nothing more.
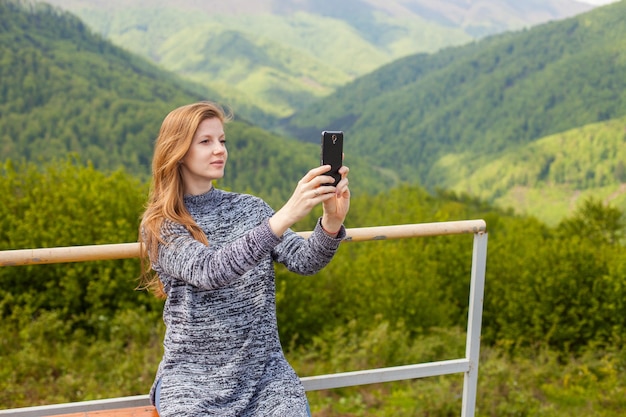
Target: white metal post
(474, 322)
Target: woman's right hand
(308, 193)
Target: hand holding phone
(332, 153)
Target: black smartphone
(332, 153)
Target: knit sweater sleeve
(307, 256)
(184, 258)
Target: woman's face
(206, 158)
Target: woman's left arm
(307, 256)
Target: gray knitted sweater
(222, 354)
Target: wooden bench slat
(120, 412)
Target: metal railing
(467, 365)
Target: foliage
(540, 383)
(393, 280)
(70, 205)
(561, 288)
(566, 291)
(552, 292)
(530, 383)
(47, 361)
(63, 324)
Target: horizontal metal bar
(397, 373)
(312, 383)
(131, 250)
(79, 407)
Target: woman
(212, 252)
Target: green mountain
(552, 175)
(439, 118)
(65, 90)
(282, 56)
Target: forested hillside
(552, 175)
(53, 87)
(437, 118)
(65, 90)
(283, 55)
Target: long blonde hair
(165, 201)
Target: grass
(35, 369)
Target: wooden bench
(147, 411)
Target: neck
(197, 189)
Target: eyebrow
(222, 135)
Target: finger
(321, 197)
(315, 172)
(320, 180)
(343, 182)
(324, 189)
(342, 187)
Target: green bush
(553, 319)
